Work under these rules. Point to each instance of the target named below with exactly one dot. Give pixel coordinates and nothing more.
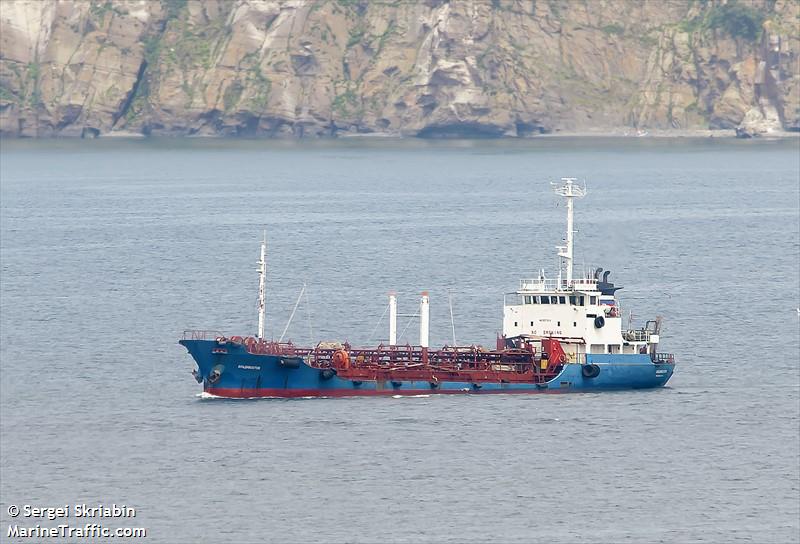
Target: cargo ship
(559, 334)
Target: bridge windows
(575, 300)
(592, 300)
(534, 299)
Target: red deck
(529, 363)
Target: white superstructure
(582, 313)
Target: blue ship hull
(236, 373)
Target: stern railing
(636, 335)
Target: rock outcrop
(431, 68)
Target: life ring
(599, 321)
(562, 358)
(341, 359)
(590, 371)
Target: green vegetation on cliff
(737, 19)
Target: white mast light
(568, 190)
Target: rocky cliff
(434, 68)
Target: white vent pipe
(424, 318)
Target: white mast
(452, 320)
(392, 319)
(569, 191)
(262, 281)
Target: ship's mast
(392, 318)
(568, 190)
(262, 281)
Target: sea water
(110, 249)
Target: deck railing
(554, 284)
(636, 335)
(664, 358)
(194, 334)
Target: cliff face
(427, 67)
